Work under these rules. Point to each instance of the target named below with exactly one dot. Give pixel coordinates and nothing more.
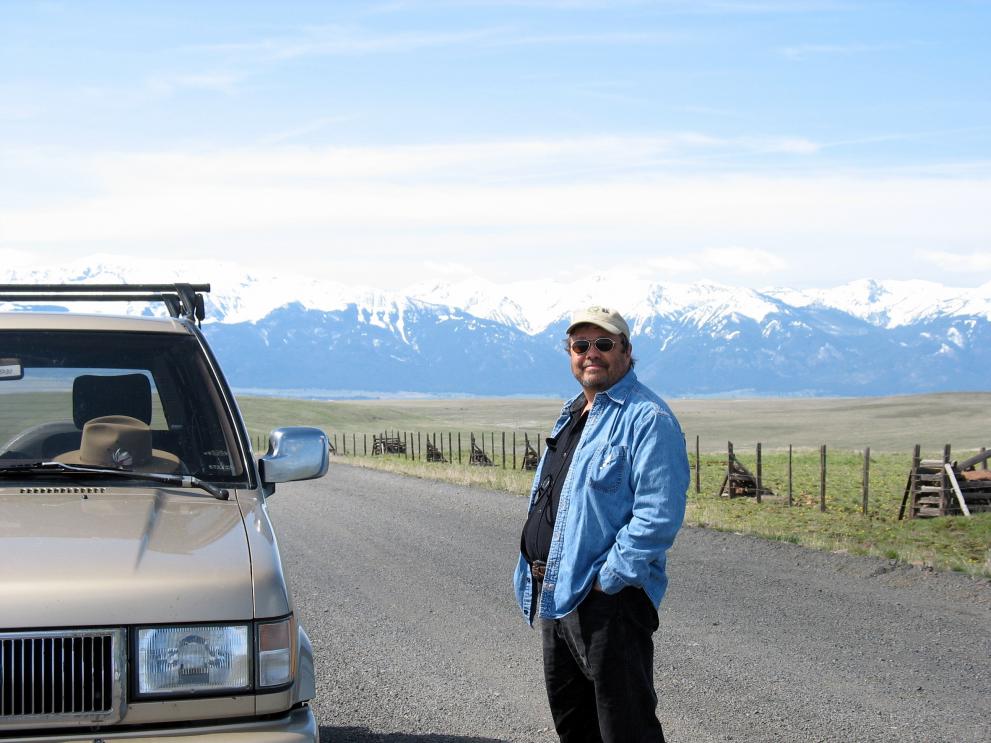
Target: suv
(142, 595)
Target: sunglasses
(605, 345)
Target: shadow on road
(363, 735)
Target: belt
(537, 569)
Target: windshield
(146, 402)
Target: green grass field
(890, 426)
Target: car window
(57, 382)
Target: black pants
(599, 670)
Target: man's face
(598, 370)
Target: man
(606, 504)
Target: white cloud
(10, 258)
(680, 7)
(498, 184)
(218, 82)
(304, 129)
(448, 270)
(728, 261)
(968, 263)
(496, 205)
(19, 111)
(586, 39)
(669, 264)
(339, 40)
(805, 51)
(519, 161)
(791, 145)
(748, 261)
(320, 41)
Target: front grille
(70, 675)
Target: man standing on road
(605, 506)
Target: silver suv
(141, 590)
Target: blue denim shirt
(622, 502)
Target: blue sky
(755, 143)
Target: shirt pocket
(607, 469)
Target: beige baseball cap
(603, 317)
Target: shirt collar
(617, 393)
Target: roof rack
(182, 300)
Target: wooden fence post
(822, 478)
(759, 470)
(867, 476)
(364, 437)
(504, 450)
(698, 467)
(354, 444)
(944, 491)
(790, 500)
(729, 468)
(910, 484)
(514, 450)
(459, 447)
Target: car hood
(111, 556)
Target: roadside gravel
(404, 588)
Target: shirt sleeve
(659, 478)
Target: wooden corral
(941, 487)
(739, 482)
(388, 444)
(478, 456)
(531, 459)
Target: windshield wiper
(60, 468)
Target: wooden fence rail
(934, 487)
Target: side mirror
(294, 453)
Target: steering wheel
(30, 443)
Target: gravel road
(404, 587)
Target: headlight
(275, 653)
(202, 658)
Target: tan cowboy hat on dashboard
(122, 442)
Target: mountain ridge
(867, 337)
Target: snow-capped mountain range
(296, 334)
